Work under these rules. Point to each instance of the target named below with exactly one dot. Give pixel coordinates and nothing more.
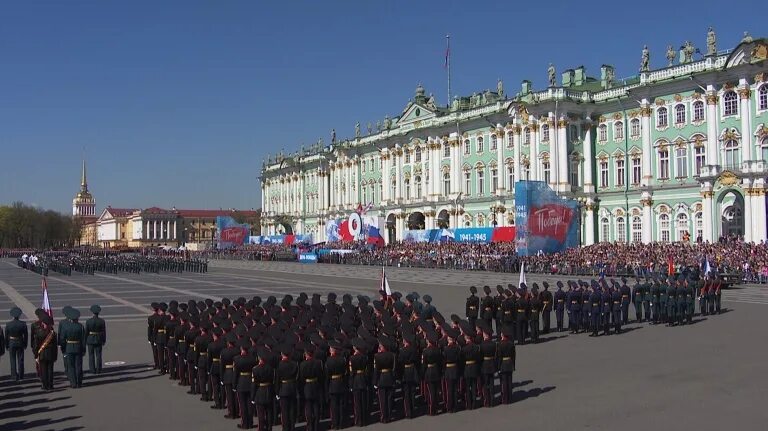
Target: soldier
(575, 310)
(384, 380)
(16, 340)
(358, 364)
(546, 300)
(203, 361)
(649, 302)
(605, 313)
(407, 358)
(96, 339)
(690, 298)
(215, 348)
(161, 338)
(637, 300)
(228, 377)
(626, 298)
(72, 343)
(452, 358)
(338, 388)
(507, 356)
(262, 391)
(508, 311)
(595, 304)
(151, 331)
(663, 297)
(243, 366)
(489, 353)
(559, 305)
(311, 375)
(192, 355)
(718, 296)
(287, 373)
(616, 308)
(45, 350)
(471, 355)
(488, 307)
(535, 312)
(703, 296)
(671, 303)
(522, 316)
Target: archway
(416, 221)
(283, 226)
(443, 219)
(731, 211)
(391, 225)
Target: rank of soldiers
(110, 264)
(299, 360)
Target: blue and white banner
(307, 258)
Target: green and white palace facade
(672, 154)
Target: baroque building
(677, 153)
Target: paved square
(710, 375)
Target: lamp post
(456, 208)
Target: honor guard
(243, 368)
(287, 388)
(262, 390)
(488, 307)
(559, 298)
(45, 350)
(96, 329)
(637, 300)
(507, 356)
(489, 353)
(16, 341)
(72, 343)
(626, 298)
(546, 301)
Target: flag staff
(448, 64)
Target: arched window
(381, 191)
(494, 180)
(481, 182)
(664, 228)
(526, 136)
(620, 172)
(762, 98)
(466, 147)
(446, 184)
(634, 127)
(407, 188)
(603, 173)
(605, 230)
(663, 163)
(699, 221)
(731, 153)
(701, 158)
(526, 172)
(494, 143)
(636, 169)
(417, 185)
(618, 130)
(365, 194)
(511, 176)
(764, 149)
(480, 220)
(417, 155)
(681, 162)
(698, 110)
(363, 166)
(480, 147)
(545, 170)
(602, 133)
(621, 230)
(446, 150)
(407, 155)
(637, 229)
(393, 190)
(545, 133)
(468, 183)
(680, 114)
(730, 103)
(662, 119)
(574, 172)
(682, 226)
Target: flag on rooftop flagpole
(46, 303)
(522, 275)
(384, 283)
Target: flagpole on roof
(448, 64)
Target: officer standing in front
(72, 343)
(16, 341)
(473, 305)
(96, 329)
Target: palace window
(545, 170)
(637, 229)
(730, 103)
(699, 221)
(494, 143)
(407, 189)
(407, 155)
(603, 173)
(664, 228)
(681, 161)
(602, 133)
(481, 182)
(620, 172)
(662, 119)
(680, 114)
(370, 164)
(381, 191)
(762, 98)
(511, 176)
(700, 155)
(731, 153)
(381, 163)
(618, 130)
(446, 184)
(494, 180)
(446, 150)
(605, 230)
(545, 133)
(468, 183)
(527, 136)
(682, 226)
(393, 190)
(363, 166)
(466, 147)
(764, 149)
(417, 185)
(574, 173)
(365, 194)
(664, 164)
(417, 155)
(510, 139)
(698, 110)
(637, 170)
(634, 128)
(480, 143)
(621, 230)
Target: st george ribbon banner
(545, 222)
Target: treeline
(24, 226)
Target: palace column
(645, 133)
(562, 154)
(398, 176)
(746, 185)
(589, 222)
(386, 180)
(455, 143)
(175, 231)
(501, 174)
(339, 177)
(647, 234)
(534, 156)
(302, 188)
(516, 144)
(154, 229)
(589, 161)
(712, 119)
(745, 111)
(426, 172)
(759, 218)
(707, 196)
(554, 153)
(263, 190)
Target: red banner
(236, 234)
(503, 234)
(550, 221)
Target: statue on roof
(551, 75)
(646, 59)
(369, 128)
(609, 77)
(474, 100)
(333, 136)
(711, 42)
(671, 54)
(378, 126)
(387, 122)
(747, 38)
(500, 88)
(688, 51)
(303, 150)
(357, 129)
(320, 143)
(455, 103)
(431, 102)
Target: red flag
(46, 303)
(670, 266)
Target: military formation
(72, 339)
(599, 306)
(302, 360)
(110, 264)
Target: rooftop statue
(671, 54)
(551, 75)
(711, 42)
(357, 129)
(646, 59)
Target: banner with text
(545, 222)
(355, 228)
(229, 233)
(472, 234)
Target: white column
(517, 151)
(154, 227)
(647, 234)
(759, 219)
(748, 210)
(424, 170)
(386, 181)
(400, 226)
(589, 159)
(398, 176)
(745, 112)
(712, 120)
(562, 154)
(175, 232)
(339, 176)
(589, 222)
(645, 133)
(534, 156)
(302, 188)
(554, 153)
(456, 183)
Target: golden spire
(83, 180)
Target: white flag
(384, 283)
(522, 275)
(46, 303)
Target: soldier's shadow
(518, 396)
(42, 423)
(119, 374)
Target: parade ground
(705, 376)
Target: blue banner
(308, 258)
(544, 221)
(474, 234)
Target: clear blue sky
(177, 102)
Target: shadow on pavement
(25, 425)
(10, 414)
(518, 396)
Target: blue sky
(176, 103)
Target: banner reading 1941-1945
(545, 221)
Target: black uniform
(287, 373)
(262, 393)
(506, 355)
(96, 329)
(384, 380)
(16, 341)
(311, 376)
(243, 368)
(409, 376)
(338, 388)
(488, 351)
